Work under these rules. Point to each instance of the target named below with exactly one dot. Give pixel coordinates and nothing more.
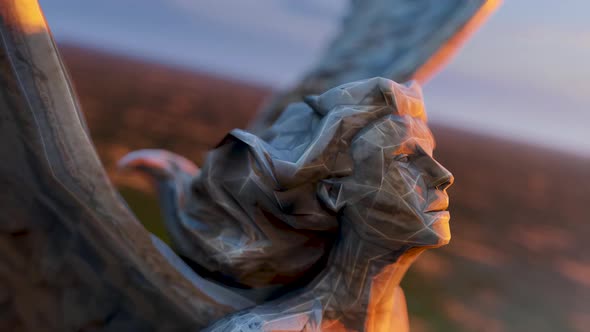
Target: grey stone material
(307, 222)
(73, 257)
(387, 197)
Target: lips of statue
(397, 193)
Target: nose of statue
(441, 178)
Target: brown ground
(519, 259)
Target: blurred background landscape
(509, 114)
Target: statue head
(359, 154)
(396, 194)
(371, 152)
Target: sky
(524, 75)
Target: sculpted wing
(396, 39)
(74, 258)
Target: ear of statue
(329, 192)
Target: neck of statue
(357, 291)
(361, 283)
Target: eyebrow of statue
(406, 147)
(423, 136)
(425, 145)
(416, 145)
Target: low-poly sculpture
(352, 166)
(306, 222)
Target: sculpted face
(397, 191)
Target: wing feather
(396, 39)
(73, 255)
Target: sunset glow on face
(406, 202)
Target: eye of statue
(404, 157)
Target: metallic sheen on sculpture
(348, 174)
(306, 222)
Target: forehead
(400, 132)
